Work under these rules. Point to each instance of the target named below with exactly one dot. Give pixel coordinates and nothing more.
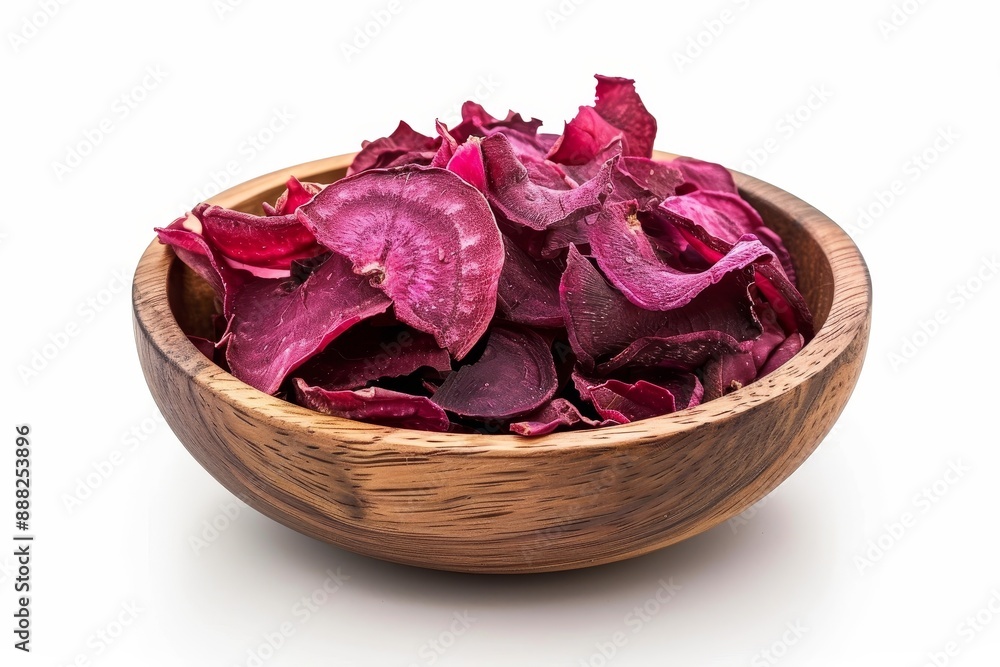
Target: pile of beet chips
(496, 279)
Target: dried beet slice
(192, 249)
(556, 413)
(528, 292)
(375, 405)
(624, 402)
(514, 376)
(367, 353)
(467, 162)
(684, 352)
(426, 238)
(404, 146)
(788, 349)
(510, 189)
(617, 112)
(772, 281)
(628, 259)
(277, 325)
(600, 320)
(263, 245)
(701, 175)
(728, 373)
(296, 194)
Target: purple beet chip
(555, 414)
(423, 236)
(277, 325)
(515, 375)
(376, 405)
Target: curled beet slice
(376, 405)
(628, 259)
(701, 175)
(404, 146)
(277, 324)
(528, 292)
(515, 375)
(618, 112)
(728, 373)
(555, 414)
(192, 249)
(467, 162)
(624, 402)
(600, 320)
(684, 352)
(522, 201)
(426, 238)
(367, 353)
(263, 245)
(788, 349)
(296, 194)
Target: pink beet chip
(556, 413)
(423, 236)
(376, 405)
(515, 375)
(277, 325)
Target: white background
(827, 552)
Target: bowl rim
(849, 311)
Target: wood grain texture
(503, 503)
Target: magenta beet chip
(684, 352)
(528, 292)
(701, 175)
(556, 413)
(296, 194)
(785, 351)
(376, 405)
(601, 321)
(423, 236)
(404, 146)
(263, 245)
(366, 353)
(627, 257)
(277, 325)
(515, 375)
(510, 189)
(625, 402)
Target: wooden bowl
(504, 503)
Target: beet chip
(515, 375)
(701, 175)
(296, 194)
(529, 290)
(557, 412)
(423, 236)
(263, 245)
(277, 324)
(367, 353)
(628, 259)
(404, 146)
(375, 405)
(623, 402)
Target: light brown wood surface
(503, 503)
